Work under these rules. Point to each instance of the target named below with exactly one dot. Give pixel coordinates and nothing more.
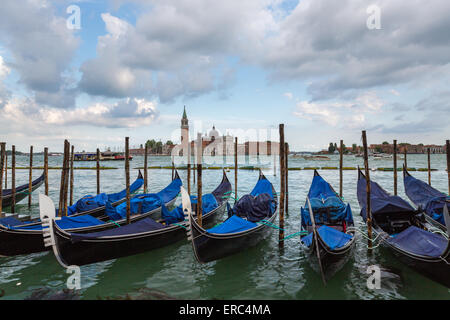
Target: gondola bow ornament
(47, 213)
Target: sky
(326, 69)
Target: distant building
(410, 148)
(214, 144)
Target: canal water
(262, 272)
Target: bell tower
(184, 131)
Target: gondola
(247, 224)
(137, 237)
(406, 232)
(424, 196)
(329, 233)
(21, 191)
(18, 238)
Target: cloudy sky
(314, 65)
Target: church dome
(213, 133)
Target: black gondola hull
(92, 251)
(19, 242)
(332, 260)
(435, 269)
(21, 191)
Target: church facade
(215, 144)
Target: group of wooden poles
(67, 177)
(4, 174)
(67, 171)
(367, 174)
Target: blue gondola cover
(420, 242)
(173, 216)
(64, 223)
(90, 202)
(145, 202)
(426, 197)
(209, 203)
(381, 201)
(326, 205)
(332, 237)
(232, 225)
(251, 208)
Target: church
(215, 144)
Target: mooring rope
(363, 234)
(438, 231)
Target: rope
(269, 224)
(438, 231)
(179, 225)
(114, 223)
(363, 234)
(304, 233)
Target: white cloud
(41, 48)
(4, 69)
(180, 44)
(127, 113)
(338, 113)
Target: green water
(262, 272)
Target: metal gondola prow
(47, 214)
(187, 211)
(405, 171)
(176, 175)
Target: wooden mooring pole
(405, 151)
(145, 168)
(30, 177)
(395, 167)
(274, 165)
(2, 163)
(6, 169)
(173, 168)
(46, 171)
(282, 187)
(13, 179)
(61, 185)
(429, 166)
(341, 162)
(72, 156)
(199, 179)
(235, 168)
(98, 170)
(286, 171)
(188, 160)
(368, 202)
(447, 145)
(66, 176)
(193, 170)
(127, 176)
